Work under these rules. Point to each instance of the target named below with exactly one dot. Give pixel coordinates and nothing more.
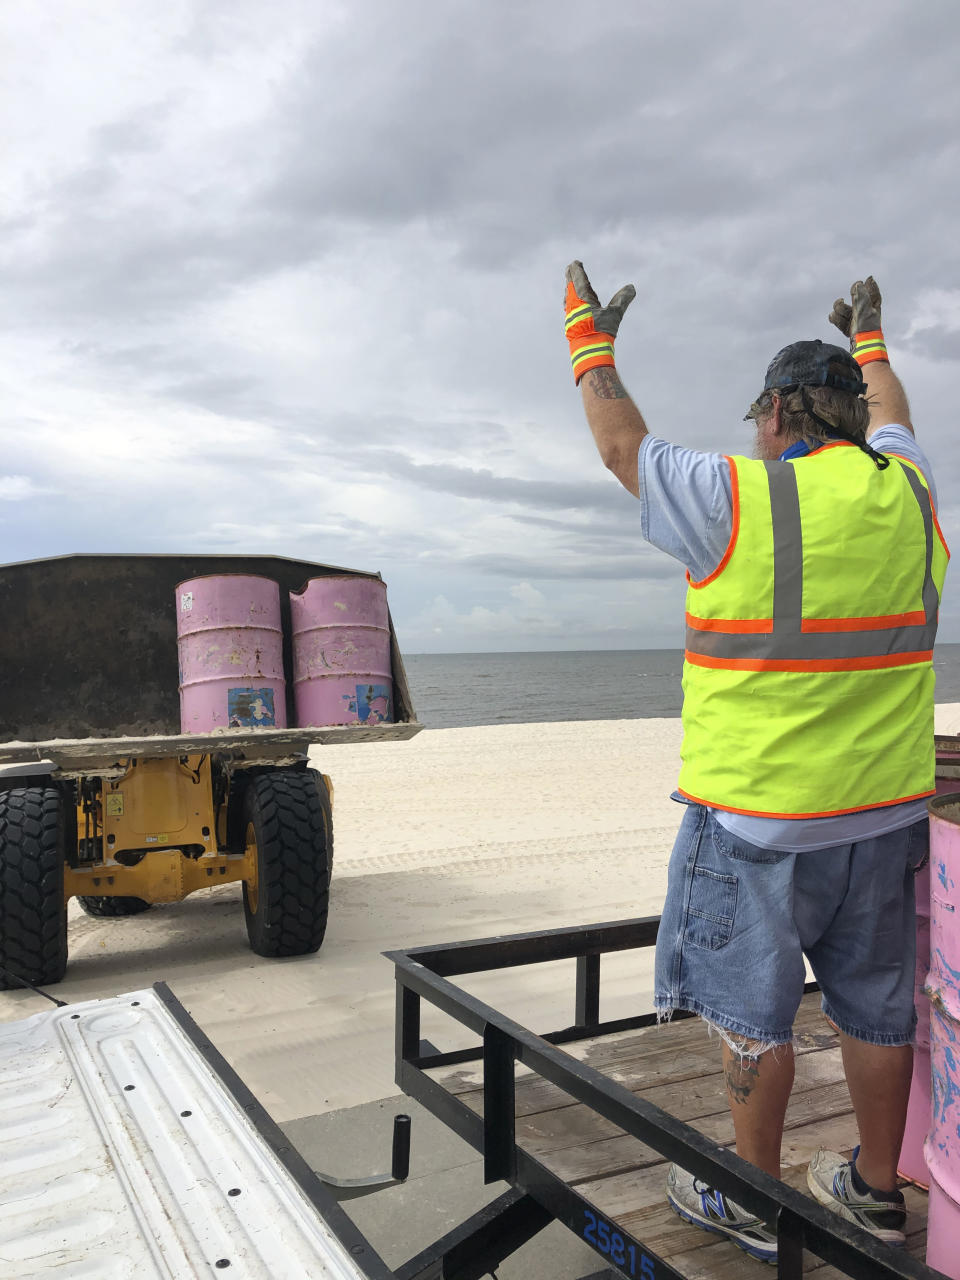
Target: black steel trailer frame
(537, 1195)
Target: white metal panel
(122, 1155)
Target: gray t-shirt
(686, 509)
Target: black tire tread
(33, 931)
(117, 905)
(292, 819)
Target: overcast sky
(287, 277)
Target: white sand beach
(458, 833)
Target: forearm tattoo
(741, 1075)
(605, 384)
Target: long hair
(848, 413)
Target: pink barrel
(912, 1163)
(231, 654)
(341, 652)
(942, 1148)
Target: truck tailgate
(124, 1153)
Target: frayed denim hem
(882, 1039)
(744, 1041)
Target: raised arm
(615, 421)
(859, 320)
(886, 397)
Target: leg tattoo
(741, 1076)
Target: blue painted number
(611, 1243)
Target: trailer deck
(676, 1067)
(583, 1121)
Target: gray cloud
(937, 343)
(299, 283)
(484, 485)
(637, 568)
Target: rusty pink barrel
(912, 1163)
(341, 652)
(942, 1148)
(231, 654)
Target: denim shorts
(738, 920)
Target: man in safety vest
(814, 575)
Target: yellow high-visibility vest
(808, 679)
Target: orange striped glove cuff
(590, 348)
(868, 347)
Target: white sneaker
(710, 1209)
(830, 1178)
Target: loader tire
(115, 906)
(287, 817)
(33, 913)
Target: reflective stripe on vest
(788, 642)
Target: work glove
(861, 322)
(591, 328)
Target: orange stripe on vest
(734, 626)
(880, 623)
(829, 813)
(819, 664)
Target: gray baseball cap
(814, 364)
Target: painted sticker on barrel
(371, 704)
(250, 709)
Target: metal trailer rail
(537, 1193)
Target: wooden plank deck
(677, 1067)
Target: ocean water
(453, 690)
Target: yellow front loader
(102, 799)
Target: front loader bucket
(89, 649)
